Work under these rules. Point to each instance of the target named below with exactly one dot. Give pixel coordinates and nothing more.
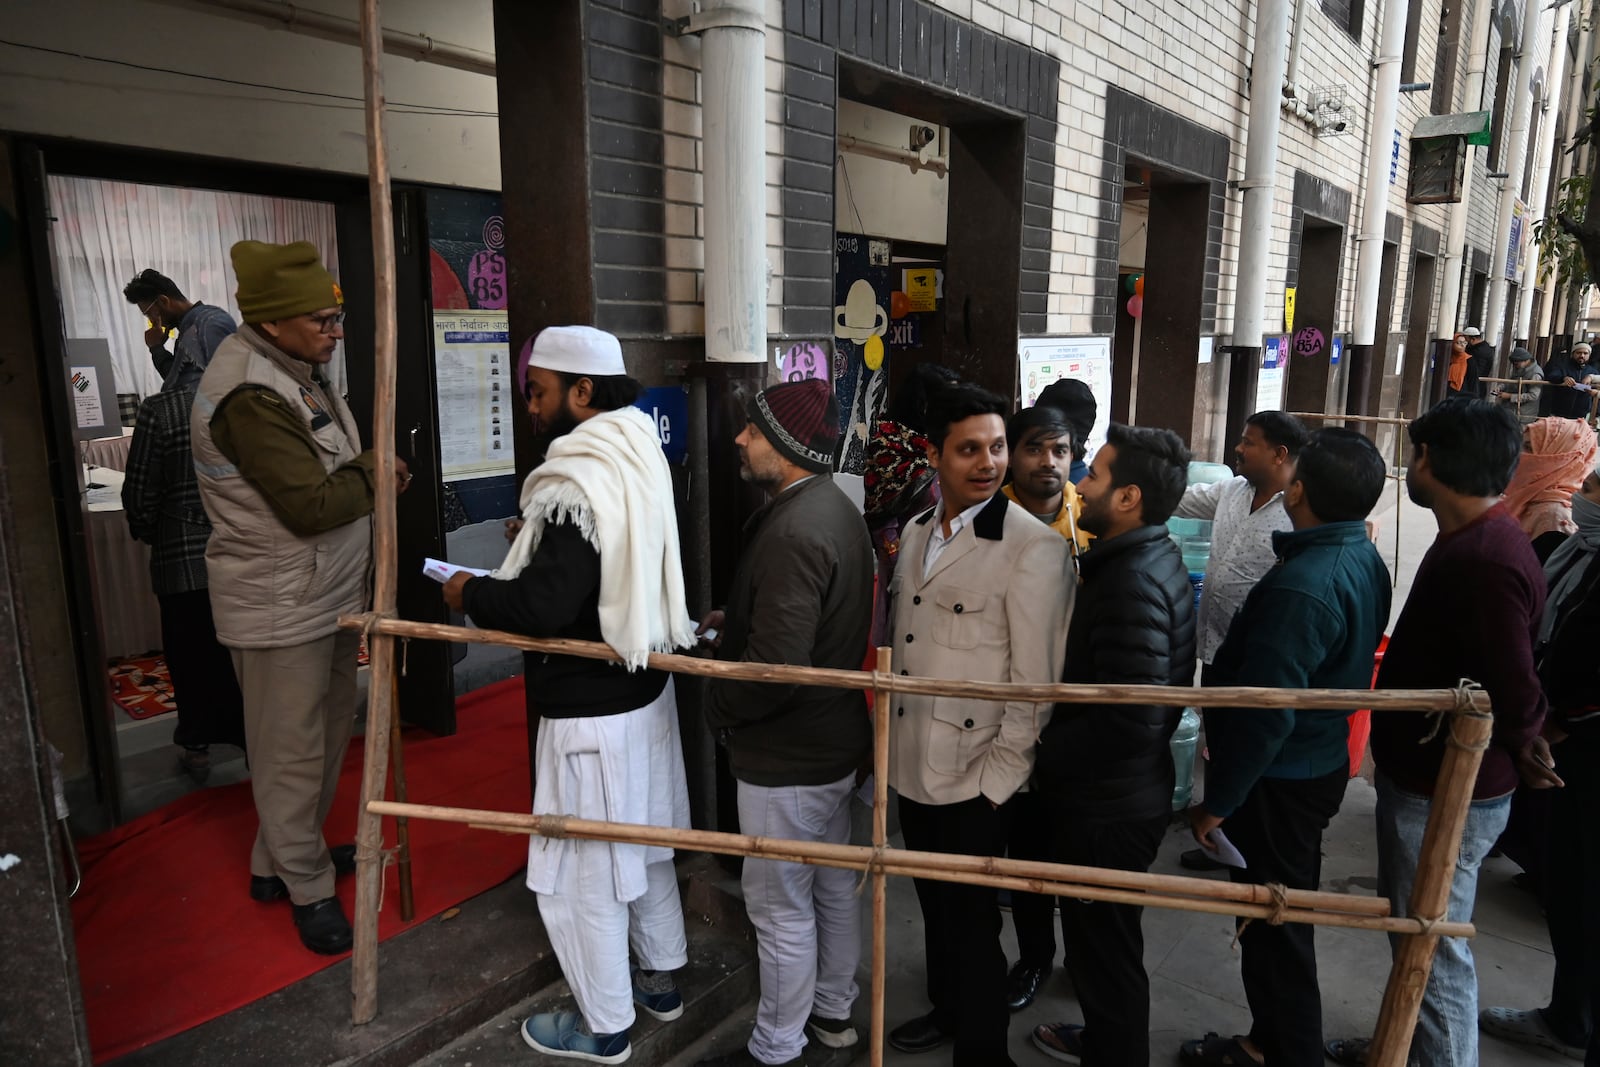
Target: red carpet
(167, 935)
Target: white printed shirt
(1241, 551)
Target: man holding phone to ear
(201, 328)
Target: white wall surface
(879, 196)
(113, 100)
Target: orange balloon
(899, 305)
(1138, 286)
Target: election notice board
(1049, 359)
(476, 378)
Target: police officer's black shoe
(266, 889)
(1023, 984)
(323, 927)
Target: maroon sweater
(1473, 612)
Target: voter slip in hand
(442, 572)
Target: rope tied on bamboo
(386, 857)
(1466, 707)
(1277, 917)
(554, 826)
(875, 863)
(371, 620)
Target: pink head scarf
(1540, 494)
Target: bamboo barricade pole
(402, 826)
(1177, 696)
(881, 698)
(1467, 737)
(369, 826)
(1088, 883)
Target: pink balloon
(1136, 306)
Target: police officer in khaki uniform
(290, 495)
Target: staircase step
(719, 978)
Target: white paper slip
(442, 572)
(1225, 853)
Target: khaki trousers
(299, 708)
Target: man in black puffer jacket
(1104, 772)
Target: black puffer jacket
(1133, 623)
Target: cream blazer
(995, 608)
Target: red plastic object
(1361, 721)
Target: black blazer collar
(990, 523)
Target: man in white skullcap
(597, 559)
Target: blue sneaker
(564, 1033)
(657, 993)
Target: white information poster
(86, 397)
(1269, 385)
(476, 378)
(1049, 359)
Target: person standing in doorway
(161, 501)
(1277, 776)
(201, 328)
(1481, 354)
(1246, 513)
(290, 495)
(1104, 771)
(1522, 399)
(801, 595)
(597, 559)
(1474, 612)
(1041, 443)
(984, 591)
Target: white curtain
(103, 233)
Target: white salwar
(598, 897)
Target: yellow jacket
(1066, 521)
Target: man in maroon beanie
(802, 595)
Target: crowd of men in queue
(1047, 581)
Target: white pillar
(733, 122)
(1260, 172)
(1455, 241)
(1520, 103)
(1375, 199)
(1555, 71)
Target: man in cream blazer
(983, 591)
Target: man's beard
(563, 424)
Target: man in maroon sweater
(1473, 612)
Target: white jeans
(807, 919)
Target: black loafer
(266, 889)
(1196, 860)
(323, 927)
(1023, 984)
(921, 1034)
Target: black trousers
(210, 708)
(1278, 830)
(1105, 942)
(1571, 894)
(1033, 914)
(961, 928)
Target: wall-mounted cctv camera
(1338, 127)
(921, 135)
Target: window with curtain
(106, 232)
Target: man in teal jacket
(1277, 776)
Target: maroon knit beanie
(801, 420)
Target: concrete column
(733, 102)
(1375, 199)
(1255, 226)
(1455, 241)
(1555, 69)
(1520, 101)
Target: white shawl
(609, 478)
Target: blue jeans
(1447, 1027)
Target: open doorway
(1416, 363)
(1312, 379)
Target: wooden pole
(881, 699)
(1388, 700)
(402, 825)
(369, 825)
(1430, 893)
(1053, 879)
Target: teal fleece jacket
(1312, 622)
